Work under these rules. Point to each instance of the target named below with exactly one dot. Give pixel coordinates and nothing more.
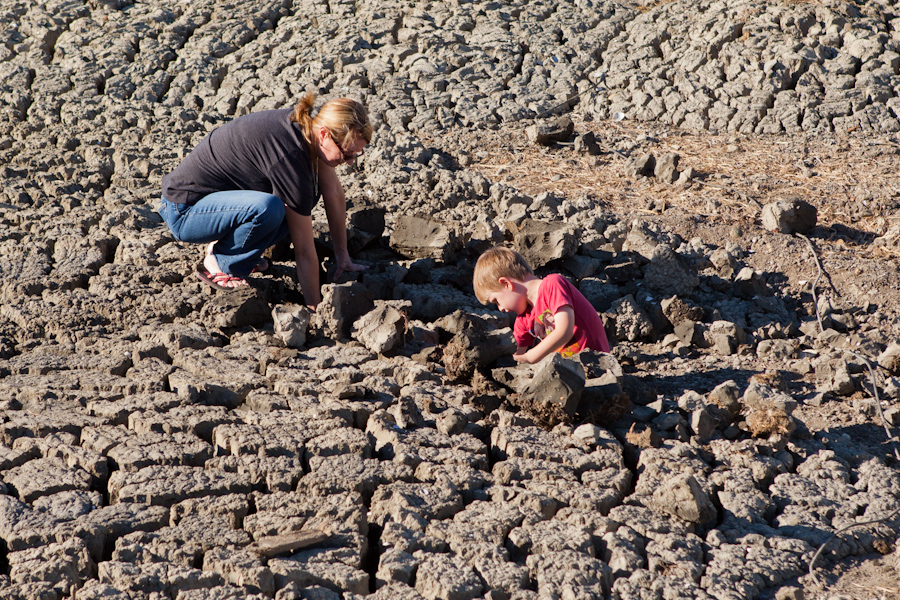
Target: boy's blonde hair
(496, 263)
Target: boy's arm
(564, 321)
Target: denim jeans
(243, 223)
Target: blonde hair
(496, 263)
(345, 119)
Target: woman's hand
(345, 263)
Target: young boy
(551, 311)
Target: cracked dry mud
(154, 433)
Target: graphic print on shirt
(544, 324)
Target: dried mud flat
(155, 437)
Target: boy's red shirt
(555, 292)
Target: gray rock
(441, 577)
(631, 321)
(291, 322)
(342, 304)
(417, 237)
(668, 273)
(383, 328)
(666, 168)
(540, 243)
(555, 390)
(545, 134)
(683, 497)
(790, 215)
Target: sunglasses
(345, 156)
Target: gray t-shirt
(263, 151)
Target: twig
(880, 413)
(816, 282)
(842, 530)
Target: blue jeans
(243, 223)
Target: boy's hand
(524, 358)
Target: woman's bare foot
(212, 266)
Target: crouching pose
(552, 315)
(256, 179)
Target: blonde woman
(256, 179)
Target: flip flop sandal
(261, 267)
(217, 280)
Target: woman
(256, 179)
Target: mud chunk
(291, 322)
(890, 358)
(749, 284)
(546, 134)
(726, 395)
(383, 328)
(642, 166)
(555, 390)
(541, 242)
(45, 476)
(677, 310)
(683, 497)
(443, 577)
(476, 345)
(417, 237)
(631, 321)
(569, 573)
(396, 565)
(364, 226)
(669, 273)
(341, 305)
(666, 169)
(603, 400)
(790, 215)
(236, 308)
(63, 565)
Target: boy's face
(509, 298)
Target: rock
(365, 225)
(666, 168)
(683, 497)
(384, 327)
(417, 237)
(890, 358)
(668, 273)
(556, 130)
(555, 390)
(631, 322)
(540, 243)
(642, 166)
(291, 322)
(342, 304)
(236, 308)
(677, 310)
(790, 215)
(476, 345)
(749, 284)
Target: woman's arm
(564, 327)
(335, 203)
(305, 256)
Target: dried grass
(766, 421)
(850, 179)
